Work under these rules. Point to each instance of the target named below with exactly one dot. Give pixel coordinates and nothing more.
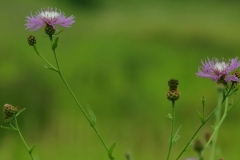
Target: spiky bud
(128, 156)
(9, 111)
(49, 30)
(173, 84)
(173, 94)
(208, 136)
(237, 74)
(203, 99)
(31, 40)
(198, 146)
(222, 82)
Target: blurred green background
(117, 58)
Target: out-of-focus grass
(118, 59)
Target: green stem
(20, 134)
(79, 105)
(189, 142)
(217, 120)
(172, 129)
(35, 48)
(216, 129)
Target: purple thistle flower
(216, 69)
(48, 16)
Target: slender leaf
(51, 68)
(92, 116)
(213, 127)
(48, 67)
(111, 150)
(169, 116)
(32, 148)
(232, 106)
(10, 128)
(20, 112)
(58, 32)
(54, 46)
(200, 117)
(176, 136)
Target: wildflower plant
(173, 94)
(222, 72)
(50, 18)
(227, 79)
(10, 115)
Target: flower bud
(9, 111)
(128, 156)
(49, 30)
(208, 136)
(198, 146)
(230, 102)
(31, 40)
(173, 84)
(222, 82)
(173, 95)
(203, 99)
(237, 74)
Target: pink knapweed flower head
(48, 17)
(216, 69)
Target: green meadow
(117, 57)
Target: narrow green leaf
(36, 158)
(10, 128)
(232, 106)
(169, 116)
(213, 127)
(58, 32)
(54, 46)
(92, 116)
(20, 112)
(111, 150)
(49, 67)
(176, 136)
(200, 117)
(32, 148)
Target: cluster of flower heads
(220, 71)
(9, 112)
